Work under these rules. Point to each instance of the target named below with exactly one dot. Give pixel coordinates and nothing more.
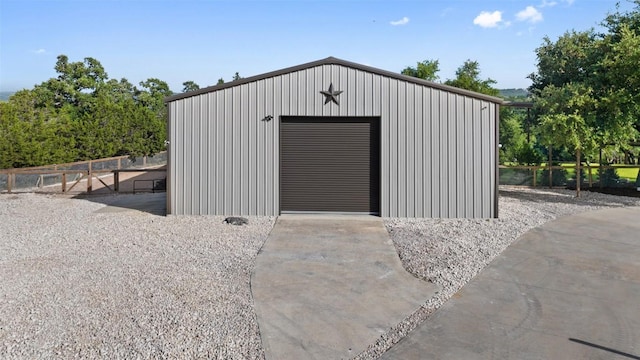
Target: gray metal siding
(438, 148)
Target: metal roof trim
(335, 61)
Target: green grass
(624, 172)
(627, 173)
(630, 174)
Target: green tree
(82, 114)
(616, 20)
(526, 153)
(152, 96)
(569, 59)
(569, 120)
(426, 70)
(587, 86)
(620, 67)
(33, 136)
(74, 85)
(220, 81)
(511, 135)
(468, 77)
(115, 90)
(190, 86)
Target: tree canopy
(190, 86)
(468, 77)
(586, 87)
(82, 114)
(426, 70)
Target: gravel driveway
(124, 285)
(75, 283)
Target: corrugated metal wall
(438, 148)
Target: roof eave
(331, 61)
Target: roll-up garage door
(330, 164)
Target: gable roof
(335, 61)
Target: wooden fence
(76, 172)
(590, 171)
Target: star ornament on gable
(331, 95)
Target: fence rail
(112, 173)
(564, 175)
(58, 177)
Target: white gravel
(450, 252)
(76, 283)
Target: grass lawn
(624, 172)
(627, 173)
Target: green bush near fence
(559, 177)
(609, 178)
(511, 176)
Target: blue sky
(202, 40)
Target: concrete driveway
(327, 287)
(569, 289)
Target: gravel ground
(450, 252)
(76, 283)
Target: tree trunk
(577, 172)
(550, 169)
(600, 172)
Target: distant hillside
(5, 95)
(513, 93)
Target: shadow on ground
(133, 181)
(560, 198)
(152, 203)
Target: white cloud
(39, 51)
(569, 2)
(403, 21)
(529, 14)
(547, 3)
(488, 19)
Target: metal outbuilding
(333, 136)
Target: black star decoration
(331, 95)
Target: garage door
(329, 164)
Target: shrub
(528, 155)
(559, 177)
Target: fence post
(89, 184)
(64, 182)
(550, 168)
(590, 177)
(9, 182)
(535, 175)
